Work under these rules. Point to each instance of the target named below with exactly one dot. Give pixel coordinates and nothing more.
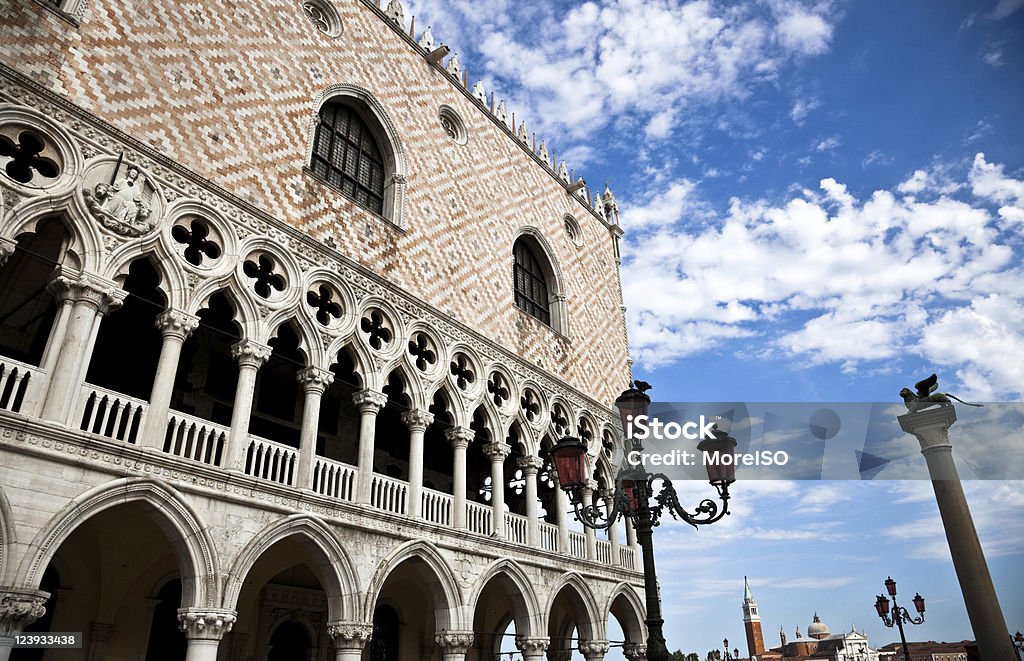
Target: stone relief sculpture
(926, 397)
(123, 204)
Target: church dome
(818, 629)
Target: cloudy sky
(824, 201)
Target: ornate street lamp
(1018, 643)
(634, 488)
(899, 614)
(730, 656)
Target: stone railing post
(18, 609)
(204, 629)
(175, 327)
(497, 452)
(460, 438)
(454, 644)
(931, 427)
(349, 639)
(314, 382)
(369, 403)
(532, 649)
(530, 467)
(417, 422)
(250, 356)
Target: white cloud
(993, 58)
(832, 278)
(803, 107)
(804, 32)
(827, 144)
(1006, 7)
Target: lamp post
(1018, 643)
(730, 656)
(899, 614)
(634, 487)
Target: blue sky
(823, 201)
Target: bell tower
(752, 623)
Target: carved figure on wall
(927, 397)
(123, 204)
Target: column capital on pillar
(20, 608)
(530, 465)
(590, 485)
(176, 323)
(349, 635)
(593, 649)
(314, 379)
(454, 642)
(530, 646)
(369, 401)
(99, 293)
(607, 495)
(497, 451)
(417, 420)
(250, 354)
(634, 652)
(206, 623)
(930, 426)
(7, 247)
(460, 437)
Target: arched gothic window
(346, 155)
(530, 282)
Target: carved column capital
(206, 623)
(101, 295)
(314, 379)
(590, 485)
(497, 451)
(177, 323)
(460, 437)
(930, 426)
(417, 420)
(593, 649)
(20, 608)
(532, 646)
(530, 465)
(369, 401)
(349, 635)
(454, 642)
(607, 495)
(250, 354)
(634, 652)
(7, 247)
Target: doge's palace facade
(290, 313)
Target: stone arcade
(289, 314)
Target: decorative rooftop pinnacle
(427, 40)
(747, 594)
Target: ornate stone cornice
(314, 379)
(177, 323)
(250, 354)
(20, 608)
(349, 635)
(459, 437)
(208, 624)
(417, 420)
(529, 464)
(498, 450)
(369, 401)
(454, 642)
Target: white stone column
(454, 644)
(18, 609)
(460, 438)
(314, 382)
(589, 534)
(92, 298)
(417, 422)
(561, 516)
(349, 639)
(175, 326)
(250, 356)
(369, 403)
(608, 496)
(204, 629)
(62, 293)
(931, 427)
(532, 649)
(593, 650)
(635, 652)
(631, 535)
(530, 466)
(497, 452)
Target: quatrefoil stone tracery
(421, 349)
(262, 271)
(196, 240)
(497, 390)
(26, 156)
(325, 307)
(531, 407)
(462, 369)
(376, 328)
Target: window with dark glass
(531, 285)
(346, 156)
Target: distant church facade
(289, 314)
